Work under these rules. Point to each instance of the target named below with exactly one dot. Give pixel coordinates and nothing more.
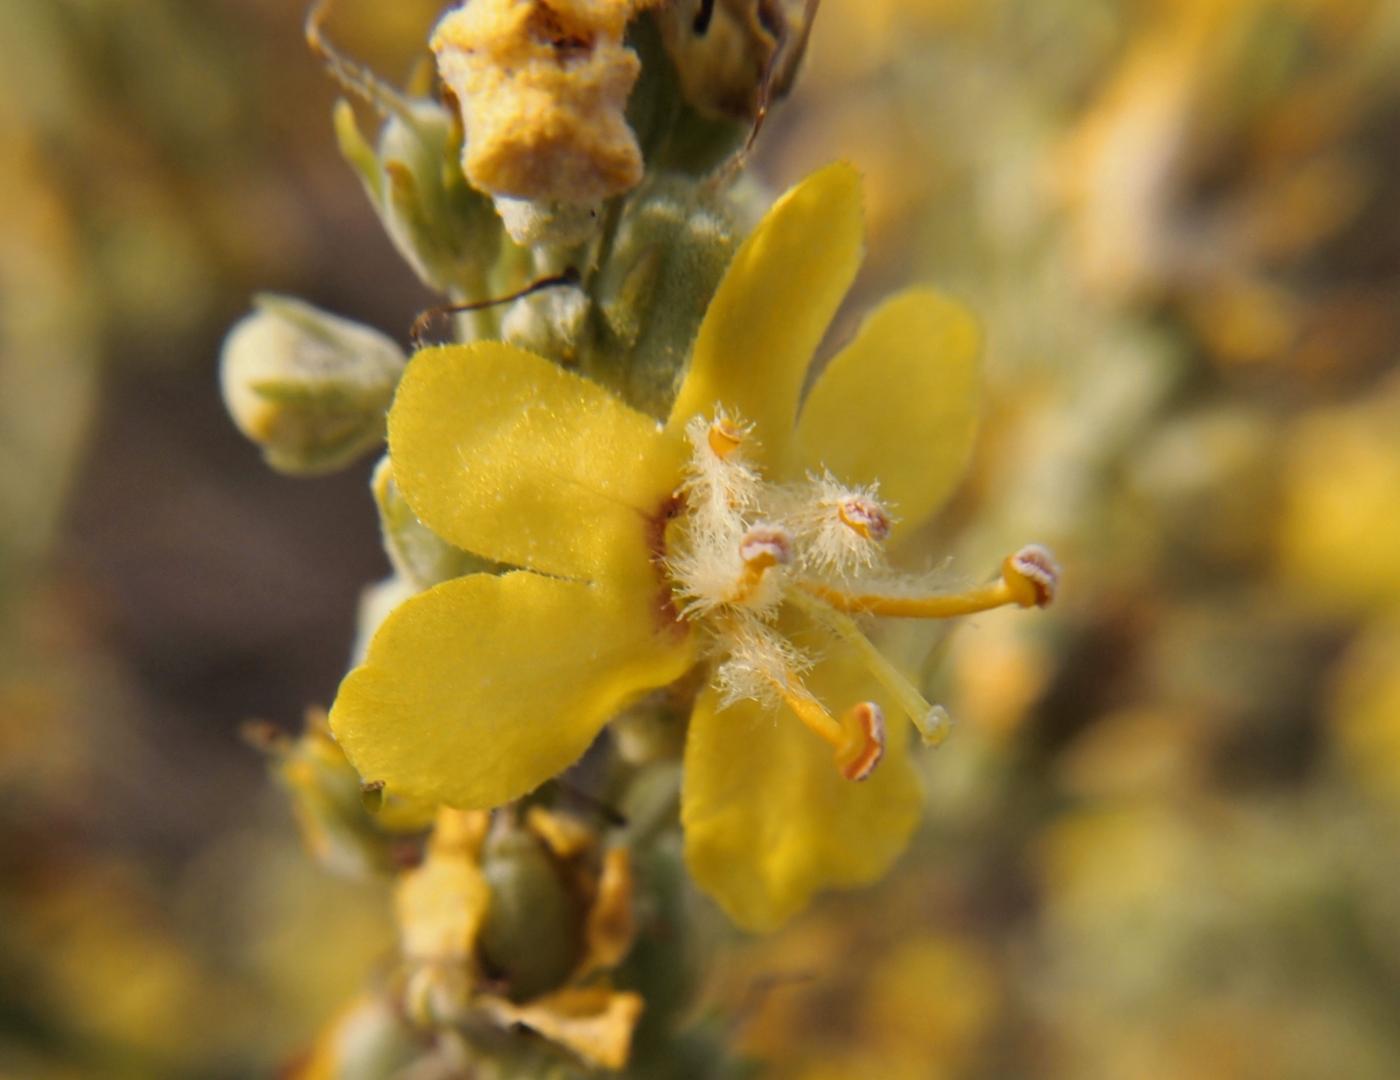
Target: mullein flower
(730, 536)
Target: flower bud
(332, 811)
(308, 387)
(419, 555)
(670, 252)
(369, 1039)
(447, 231)
(723, 51)
(552, 322)
(532, 934)
(533, 223)
(377, 602)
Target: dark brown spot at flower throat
(668, 616)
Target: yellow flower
(738, 534)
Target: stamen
(726, 435)
(866, 722)
(858, 738)
(864, 517)
(809, 710)
(762, 548)
(932, 721)
(718, 481)
(840, 528)
(1028, 579)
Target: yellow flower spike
(898, 406)
(482, 688)
(772, 308)
(688, 543)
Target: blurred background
(1163, 841)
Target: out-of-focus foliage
(1161, 847)
(158, 158)
(1160, 842)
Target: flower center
(739, 552)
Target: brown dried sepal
(735, 55)
(542, 86)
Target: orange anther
(866, 722)
(725, 436)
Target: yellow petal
(504, 454)
(772, 308)
(768, 818)
(480, 689)
(899, 404)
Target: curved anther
(865, 724)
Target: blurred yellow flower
(1366, 709)
(919, 1003)
(1340, 527)
(723, 536)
